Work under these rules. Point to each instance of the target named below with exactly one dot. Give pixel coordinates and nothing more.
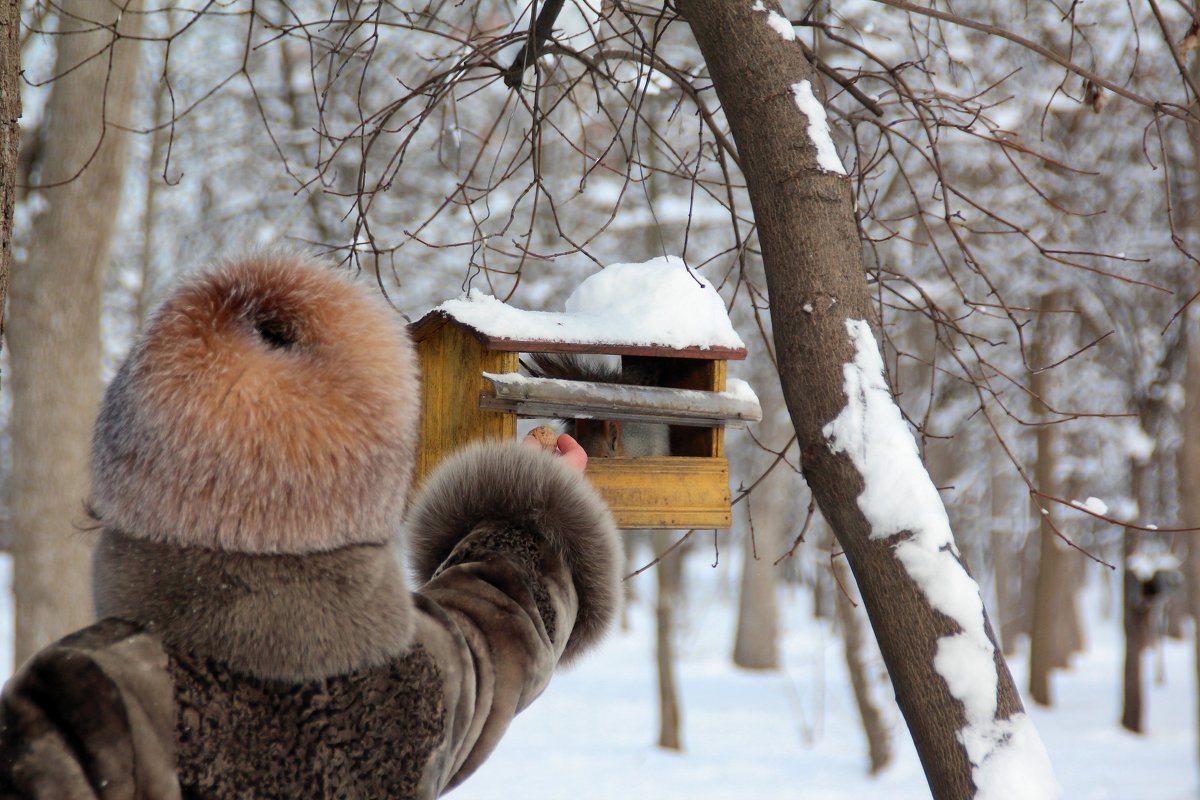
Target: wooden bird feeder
(472, 389)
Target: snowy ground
(793, 734)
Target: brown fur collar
(270, 407)
(284, 617)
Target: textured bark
(812, 256)
(54, 322)
(854, 639)
(10, 135)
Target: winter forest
(968, 226)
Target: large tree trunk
(809, 238)
(54, 322)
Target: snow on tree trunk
(952, 685)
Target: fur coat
(258, 637)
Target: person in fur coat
(258, 639)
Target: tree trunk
(1006, 559)
(1047, 637)
(1142, 590)
(1189, 489)
(807, 230)
(769, 507)
(144, 295)
(669, 572)
(1189, 452)
(756, 641)
(854, 640)
(54, 322)
(1136, 624)
(10, 136)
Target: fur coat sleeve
(90, 717)
(517, 561)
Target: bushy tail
(604, 438)
(570, 367)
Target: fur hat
(270, 407)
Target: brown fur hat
(270, 407)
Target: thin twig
(662, 555)
(1157, 106)
(812, 508)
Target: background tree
(10, 136)
(54, 317)
(856, 645)
(770, 510)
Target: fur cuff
(280, 617)
(513, 484)
(271, 407)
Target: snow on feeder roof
(625, 309)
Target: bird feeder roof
(657, 308)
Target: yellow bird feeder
(472, 389)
